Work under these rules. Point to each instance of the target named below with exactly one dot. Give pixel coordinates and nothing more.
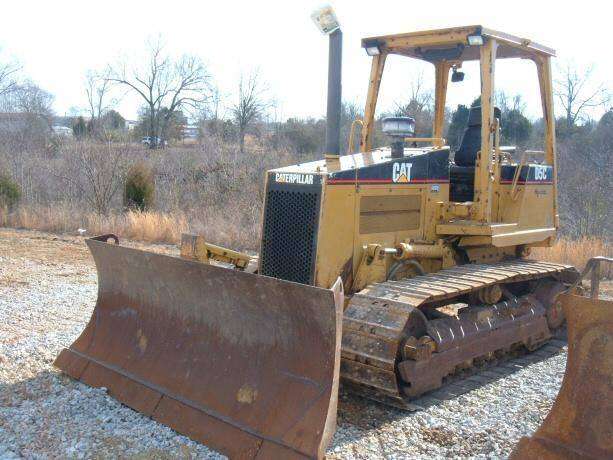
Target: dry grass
(147, 226)
(153, 227)
(577, 252)
(236, 228)
(225, 227)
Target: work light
(325, 19)
(372, 47)
(475, 40)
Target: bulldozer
(387, 271)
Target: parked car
(155, 141)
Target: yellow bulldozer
(389, 271)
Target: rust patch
(246, 394)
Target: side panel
(388, 215)
(336, 236)
(393, 200)
(532, 205)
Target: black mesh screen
(290, 232)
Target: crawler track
(380, 319)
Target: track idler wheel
(547, 293)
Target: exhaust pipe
(328, 24)
(333, 114)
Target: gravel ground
(47, 293)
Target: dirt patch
(52, 250)
(439, 436)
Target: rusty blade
(580, 424)
(243, 363)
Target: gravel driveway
(47, 293)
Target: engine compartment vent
(289, 237)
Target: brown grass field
(157, 227)
(577, 252)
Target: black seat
(462, 173)
(466, 155)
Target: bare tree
(97, 88)
(577, 93)
(28, 124)
(27, 97)
(96, 172)
(250, 105)
(350, 111)
(166, 85)
(508, 103)
(419, 106)
(215, 105)
(8, 74)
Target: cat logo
(401, 172)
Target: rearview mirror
(457, 76)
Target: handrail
(514, 193)
(522, 163)
(352, 132)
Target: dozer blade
(580, 424)
(243, 363)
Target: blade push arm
(194, 247)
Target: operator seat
(462, 171)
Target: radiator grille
(290, 233)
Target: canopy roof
(452, 44)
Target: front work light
(372, 47)
(325, 20)
(475, 40)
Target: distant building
(62, 131)
(131, 124)
(62, 121)
(190, 131)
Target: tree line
(175, 90)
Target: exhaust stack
(333, 114)
(328, 24)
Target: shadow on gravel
(42, 385)
(27, 428)
(367, 415)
